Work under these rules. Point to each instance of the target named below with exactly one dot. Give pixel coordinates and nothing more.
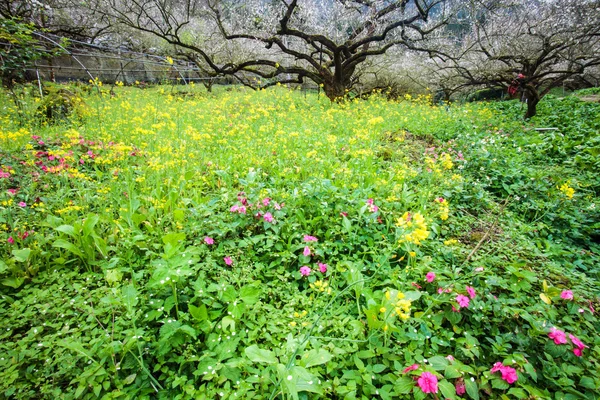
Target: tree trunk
(531, 108)
(532, 98)
(335, 91)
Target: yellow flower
(568, 191)
(169, 60)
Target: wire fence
(84, 61)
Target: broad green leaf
(199, 313)
(89, 223)
(22, 255)
(517, 393)
(447, 389)
(13, 282)
(68, 229)
(404, 385)
(77, 348)
(63, 244)
(438, 363)
(250, 294)
(451, 372)
(255, 354)
(472, 389)
(113, 276)
(129, 294)
(316, 357)
(129, 379)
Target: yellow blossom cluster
(321, 286)
(567, 190)
(415, 228)
(397, 300)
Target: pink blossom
(471, 292)
(463, 301)
(268, 217)
(228, 260)
(415, 284)
(509, 374)
(322, 268)
(579, 346)
(266, 201)
(410, 368)
(11, 240)
(430, 277)
(209, 240)
(496, 367)
(343, 214)
(557, 335)
(278, 206)
(81, 161)
(12, 192)
(566, 294)
(308, 238)
(428, 382)
(22, 204)
(479, 269)
(4, 174)
(305, 271)
(242, 210)
(460, 387)
(307, 251)
(234, 208)
(450, 357)
(440, 290)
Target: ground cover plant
(171, 243)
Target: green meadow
(170, 243)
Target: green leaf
(13, 282)
(438, 363)
(63, 244)
(89, 223)
(404, 385)
(517, 393)
(531, 371)
(250, 294)
(129, 294)
(199, 313)
(22, 255)
(316, 357)
(451, 372)
(447, 389)
(129, 379)
(68, 229)
(588, 383)
(259, 355)
(472, 389)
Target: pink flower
(410, 368)
(428, 382)
(234, 208)
(430, 277)
(343, 214)
(558, 336)
(278, 206)
(496, 367)
(11, 240)
(450, 358)
(308, 238)
(463, 301)
(471, 292)
(209, 240)
(479, 269)
(509, 374)
(22, 204)
(460, 387)
(305, 271)
(322, 268)
(242, 210)
(307, 251)
(266, 201)
(566, 294)
(12, 192)
(228, 260)
(579, 346)
(268, 217)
